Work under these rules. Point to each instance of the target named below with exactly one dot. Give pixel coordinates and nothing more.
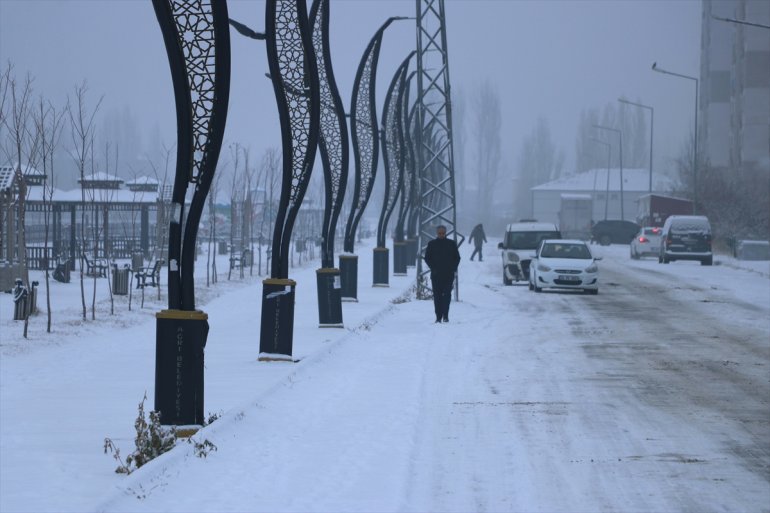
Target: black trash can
(120, 280)
(20, 298)
(222, 247)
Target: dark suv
(686, 238)
(614, 232)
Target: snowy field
(505, 408)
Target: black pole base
(180, 337)
(277, 330)
(411, 252)
(381, 267)
(349, 277)
(329, 298)
(399, 258)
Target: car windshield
(560, 250)
(527, 240)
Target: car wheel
(634, 255)
(660, 259)
(537, 289)
(506, 281)
(594, 291)
(605, 240)
(531, 287)
(707, 261)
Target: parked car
(519, 241)
(614, 232)
(564, 264)
(646, 242)
(686, 238)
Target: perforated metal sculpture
(294, 76)
(197, 40)
(392, 142)
(365, 138)
(333, 144)
(400, 245)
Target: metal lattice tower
(435, 153)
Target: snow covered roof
(35, 194)
(143, 180)
(101, 177)
(634, 179)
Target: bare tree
(270, 167)
(17, 121)
(48, 124)
(487, 124)
(459, 142)
(82, 127)
(539, 161)
(163, 209)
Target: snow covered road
(652, 396)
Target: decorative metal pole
(334, 156)
(294, 75)
(437, 204)
(414, 205)
(406, 164)
(197, 40)
(394, 178)
(363, 128)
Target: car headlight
(543, 268)
(593, 268)
(513, 257)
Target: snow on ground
(391, 413)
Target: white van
(519, 242)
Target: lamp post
(695, 143)
(741, 22)
(609, 162)
(652, 121)
(620, 138)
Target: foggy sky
(547, 58)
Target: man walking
(442, 258)
(478, 237)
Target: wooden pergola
(105, 217)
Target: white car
(564, 264)
(646, 242)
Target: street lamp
(609, 162)
(741, 22)
(620, 138)
(652, 120)
(695, 144)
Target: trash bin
(222, 247)
(120, 280)
(246, 258)
(20, 295)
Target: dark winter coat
(442, 258)
(478, 237)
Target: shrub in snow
(152, 439)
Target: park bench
(148, 276)
(241, 259)
(95, 266)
